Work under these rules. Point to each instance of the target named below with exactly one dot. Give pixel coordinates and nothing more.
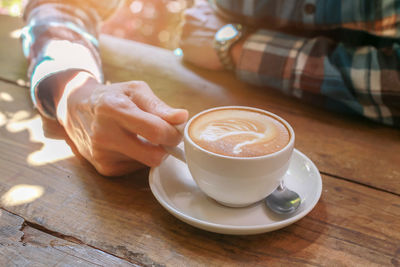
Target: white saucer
(175, 189)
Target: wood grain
(351, 225)
(13, 64)
(23, 245)
(356, 222)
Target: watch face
(226, 33)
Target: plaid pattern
(378, 17)
(340, 54)
(347, 59)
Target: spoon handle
(281, 186)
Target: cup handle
(180, 128)
(175, 151)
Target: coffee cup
(236, 155)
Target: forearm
(59, 40)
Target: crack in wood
(359, 183)
(13, 82)
(54, 233)
(21, 229)
(120, 252)
(136, 257)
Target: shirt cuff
(60, 61)
(49, 88)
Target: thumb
(175, 116)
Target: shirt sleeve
(342, 77)
(61, 38)
(376, 17)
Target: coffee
(239, 132)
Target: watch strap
(223, 48)
(225, 56)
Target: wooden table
(56, 210)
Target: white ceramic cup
(235, 181)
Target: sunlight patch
(52, 150)
(21, 194)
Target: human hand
(107, 123)
(201, 24)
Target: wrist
(47, 92)
(75, 88)
(236, 52)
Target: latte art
(231, 127)
(239, 132)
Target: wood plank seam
(13, 82)
(53, 233)
(75, 240)
(359, 183)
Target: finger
(111, 163)
(145, 99)
(119, 168)
(139, 149)
(125, 167)
(122, 145)
(176, 117)
(121, 110)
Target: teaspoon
(283, 200)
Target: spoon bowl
(283, 200)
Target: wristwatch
(224, 39)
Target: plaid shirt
(342, 55)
